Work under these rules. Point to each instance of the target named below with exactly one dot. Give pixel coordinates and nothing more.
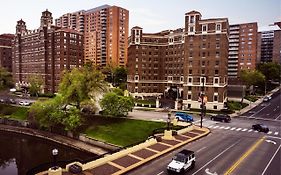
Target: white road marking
(270, 132)
(216, 127)
(276, 133)
(278, 117)
(210, 126)
(221, 127)
(244, 130)
(256, 131)
(201, 149)
(271, 160)
(270, 141)
(227, 127)
(208, 172)
(258, 111)
(250, 130)
(232, 128)
(238, 129)
(160, 173)
(216, 157)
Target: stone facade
(6, 51)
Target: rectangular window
(204, 28)
(218, 27)
(189, 96)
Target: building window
(191, 29)
(216, 72)
(190, 71)
(189, 80)
(216, 80)
(189, 96)
(181, 78)
(170, 78)
(204, 28)
(215, 107)
(216, 97)
(202, 80)
(136, 78)
(191, 19)
(218, 27)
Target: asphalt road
(220, 151)
(231, 148)
(269, 110)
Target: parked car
(181, 116)
(221, 117)
(182, 161)
(24, 103)
(267, 98)
(12, 101)
(260, 128)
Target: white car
(267, 98)
(181, 162)
(24, 103)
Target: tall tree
(6, 80)
(120, 77)
(115, 104)
(80, 85)
(35, 85)
(272, 71)
(252, 77)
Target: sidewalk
(126, 160)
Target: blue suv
(180, 116)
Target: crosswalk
(240, 129)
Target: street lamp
(169, 120)
(55, 153)
(202, 101)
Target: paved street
(232, 148)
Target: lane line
(270, 160)
(160, 173)
(217, 156)
(201, 149)
(227, 127)
(238, 129)
(278, 117)
(232, 128)
(246, 154)
(216, 127)
(250, 130)
(244, 130)
(221, 127)
(258, 111)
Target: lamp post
(169, 120)
(202, 102)
(55, 153)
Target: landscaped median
(130, 158)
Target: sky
(151, 15)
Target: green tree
(6, 79)
(120, 77)
(252, 77)
(80, 85)
(35, 85)
(272, 71)
(114, 104)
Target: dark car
(260, 128)
(221, 117)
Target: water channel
(20, 153)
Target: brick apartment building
(242, 48)
(6, 51)
(187, 59)
(269, 44)
(105, 31)
(45, 52)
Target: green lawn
(19, 113)
(122, 132)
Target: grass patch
(19, 113)
(120, 131)
(233, 105)
(251, 98)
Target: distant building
(45, 52)
(6, 51)
(242, 48)
(269, 44)
(185, 59)
(105, 33)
